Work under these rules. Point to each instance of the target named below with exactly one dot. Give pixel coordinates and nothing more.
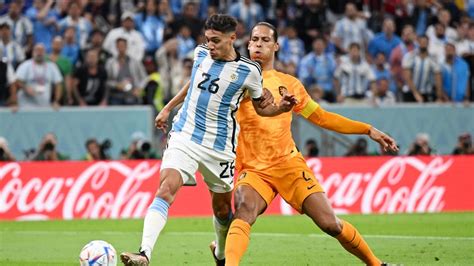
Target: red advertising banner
(124, 189)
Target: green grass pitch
(408, 239)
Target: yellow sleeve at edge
(332, 121)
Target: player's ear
(277, 47)
(233, 36)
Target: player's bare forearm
(178, 98)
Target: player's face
(220, 44)
(262, 46)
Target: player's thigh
(179, 156)
(217, 170)
(318, 208)
(249, 203)
(295, 182)
(253, 192)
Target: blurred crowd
(421, 146)
(139, 52)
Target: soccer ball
(98, 252)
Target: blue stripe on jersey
(203, 102)
(178, 126)
(243, 71)
(419, 79)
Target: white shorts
(187, 157)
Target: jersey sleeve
(200, 51)
(300, 93)
(255, 82)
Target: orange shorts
(293, 180)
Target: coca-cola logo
(389, 188)
(104, 189)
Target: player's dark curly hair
(222, 23)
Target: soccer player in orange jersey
(269, 163)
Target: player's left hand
(161, 120)
(267, 98)
(387, 143)
(287, 102)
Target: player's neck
(230, 56)
(266, 66)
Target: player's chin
(257, 59)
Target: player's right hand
(267, 98)
(161, 120)
(287, 102)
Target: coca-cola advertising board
(124, 189)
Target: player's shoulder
(203, 46)
(287, 78)
(251, 64)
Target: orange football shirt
(267, 141)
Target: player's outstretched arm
(161, 120)
(286, 104)
(338, 123)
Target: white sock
(221, 228)
(155, 220)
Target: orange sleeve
(332, 121)
(297, 89)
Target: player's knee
(222, 212)
(165, 192)
(246, 212)
(331, 227)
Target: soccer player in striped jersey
(204, 133)
(269, 163)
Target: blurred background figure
(359, 148)
(39, 81)
(90, 80)
(455, 75)
(47, 150)
(382, 96)
(311, 148)
(139, 148)
(421, 146)
(5, 153)
(464, 145)
(96, 151)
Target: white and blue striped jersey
(216, 88)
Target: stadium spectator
(247, 11)
(400, 11)
(96, 42)
(351, 29)
(353, 76)
(421, 146)
(169, 66)
(151, 26)
(421, 16)
(385, 41)
(153, 88)
(5, 154)
(382, 70)
(11, 50)
(21, 27)
(242, 39)
(382, 96)
(71, 49)
(311, 21)
(186, 43)
(47, 150)
(190, 18)
(311, 148)
(437, 43)
(7, 85)
(65, 67)
(455, 76)
(136, 43)
(125, 75)
(82, 27)
(465, 43)
(444, 18)
(464, 145)
(420, 70)
(359, 148)
(396, 57)
(292, 48)
(89, 81)
(36, 79)
(96, 151)
(98, 12)
(317, 68)
(44, 22)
